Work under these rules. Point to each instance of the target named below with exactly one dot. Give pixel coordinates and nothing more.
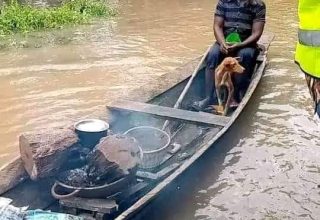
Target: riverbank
(23, 24)
(23, 18)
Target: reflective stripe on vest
(309, 38)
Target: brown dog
(223, 76)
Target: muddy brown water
(266, 167)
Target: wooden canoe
(193, 133)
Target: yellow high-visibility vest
(308, 47)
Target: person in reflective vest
(308, 48)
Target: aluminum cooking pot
(90, 131)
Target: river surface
(266, 167)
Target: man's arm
(257, 30)
(218, 26)
(218, 33)
(218, 29)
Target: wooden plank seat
(169, 113)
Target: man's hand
(224, 48)
(233, 47)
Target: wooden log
(44, 153)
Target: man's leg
(213, 59)
(314, 88)
(248, 58)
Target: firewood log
(45, 152)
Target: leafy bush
(16, 17)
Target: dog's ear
(238, 58)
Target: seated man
(244, 19)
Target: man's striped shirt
(239, 15)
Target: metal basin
(153, 142)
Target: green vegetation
(20, 18)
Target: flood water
(266, 167)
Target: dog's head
(232, 64)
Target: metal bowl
(90, 131)
(153, 142)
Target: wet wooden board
(101, 208)
(97, 205)
(169, 113)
